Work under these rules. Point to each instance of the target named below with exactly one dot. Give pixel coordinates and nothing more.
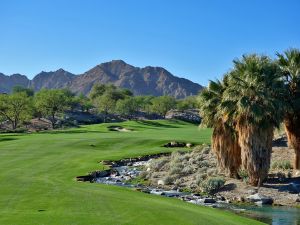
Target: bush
(282, 164)
(187, 170)
(175, 169)
(243, 175)
(157, 164)
(213, 184)
(200, 178)
(168, 180)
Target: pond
(274, 215)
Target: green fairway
(38, 186)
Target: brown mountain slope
(142, 81)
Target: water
(274, 215)
(267, 214)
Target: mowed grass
(38, 186)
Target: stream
(121, 175)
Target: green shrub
(243, 175)
(282, 164)
(213, 184)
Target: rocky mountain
(142, 81)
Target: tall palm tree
(224, 138)
(250, 99)
(289, 63)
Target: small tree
(18, 89)
(15, 108)
(83, 102)
(51, 102)
(187, 103)
(127, 107)
(105, 104)
(161, 105)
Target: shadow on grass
(71, 132)
(155, 124)
(7, 139)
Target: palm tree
(224, 138)
(251, 102)
(289, 63)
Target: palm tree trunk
(225, 146)
(256, 149)
(292, 128)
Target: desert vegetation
(107, 102)
(244, 108)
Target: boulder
(294, 188)
(191, 115)
(208, 200)
(189, 145)
(160, 182)
(260, 199)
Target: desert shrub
(243, 175)
(211, 172)
(206, 150)
(143, 175)
(168, 180)
(203, 163)
(175, 168)
(187, 170)
(157, 164)
(202, 170)
(213, 184)
(200, 178)
(282, 164)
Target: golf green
(38, 170)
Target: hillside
(141, 81)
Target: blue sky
(192, 39)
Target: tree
(127, 107)
(105, 104)
(17, 89)
(251, 101)
(83, 102)
(144, 103)
(52, 102)
(98, 90)
(15, 108)
(187, 103)
(289, 63)
(161, 105)
(224, 138)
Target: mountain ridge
(147, 80)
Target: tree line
(24, 104)
(244, 107)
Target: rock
(185, 115)
(221, 198)
(160, 182)
(175, 144)
(294, 188)
(260, 199)
(241, 199)
(252, 191)
(208, 200)
(189, 145)
(156, 192)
